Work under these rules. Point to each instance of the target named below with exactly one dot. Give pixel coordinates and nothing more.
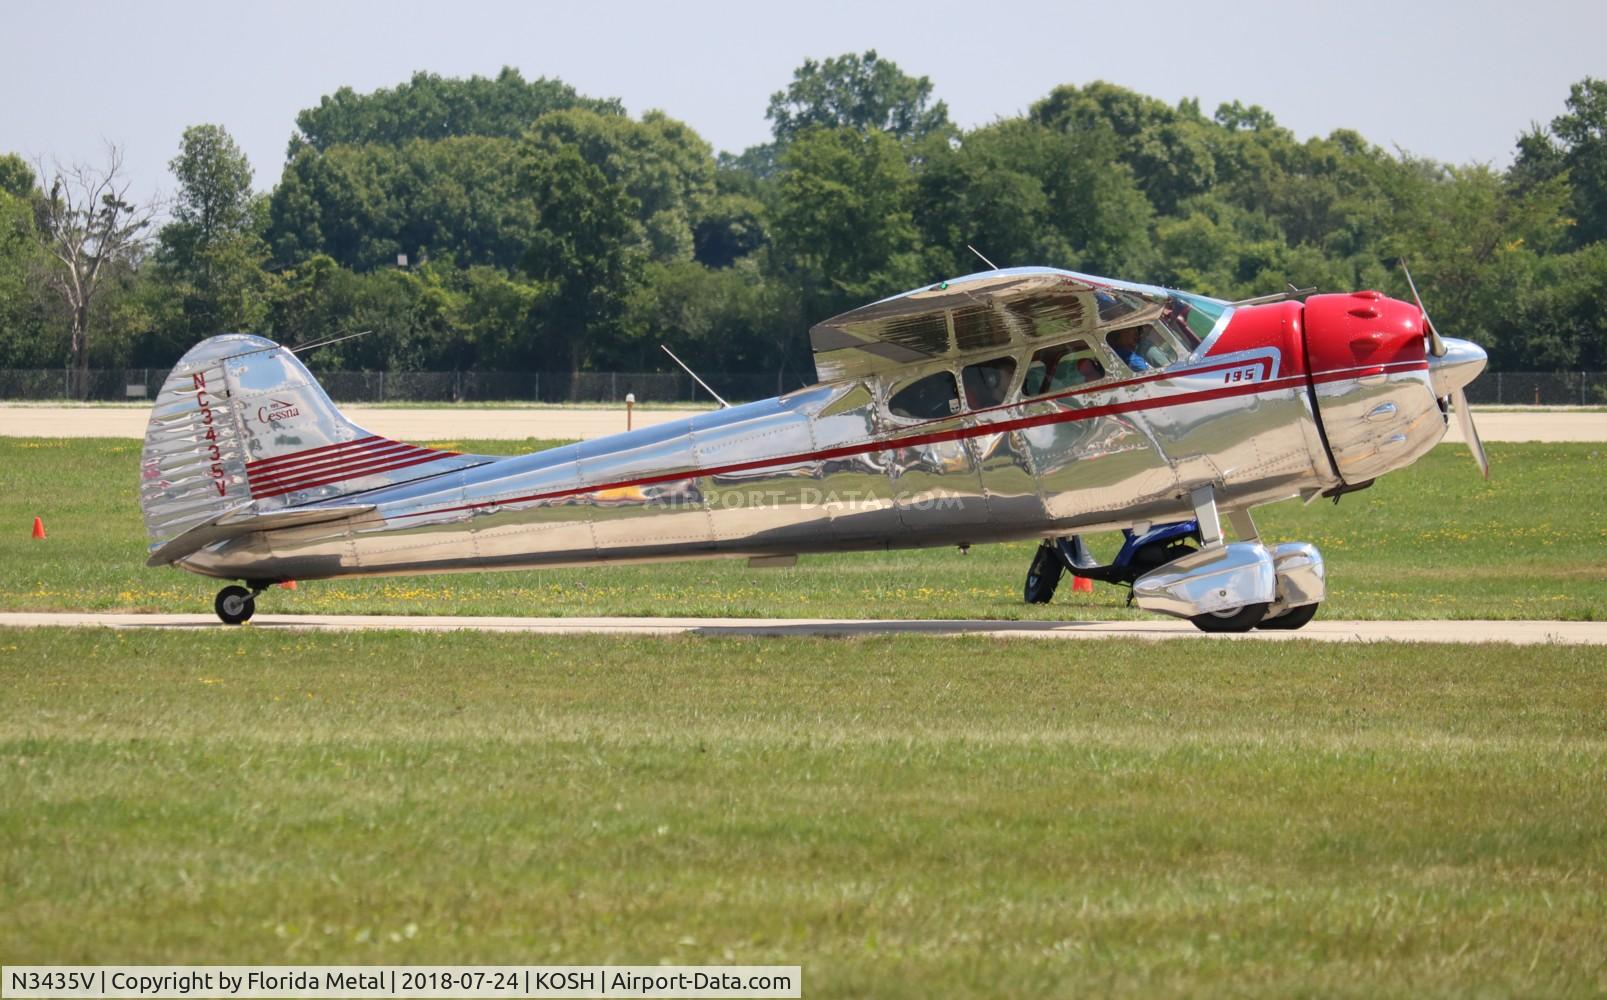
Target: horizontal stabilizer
(240, 521)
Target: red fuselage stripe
(915, 440)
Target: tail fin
(241, 428)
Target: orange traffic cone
(38, 527)
(289, 585)
(1082, 585)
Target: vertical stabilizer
(241, 427)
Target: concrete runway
(1525, 633)
(587, 422)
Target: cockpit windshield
(1192, 317)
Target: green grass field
(901, 817)
(1433, 541)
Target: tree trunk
(574, 372)
(80, 353)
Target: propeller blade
(1436, 346)
(1470, 434)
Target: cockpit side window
(987, 383)
(927, 398)
(1063, 366)
(1144, 348)
(1158, 347)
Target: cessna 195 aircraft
(1010, 404)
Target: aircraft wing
(993, 309)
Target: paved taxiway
(1525, 633)
(587, 422)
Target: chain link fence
(109, 384)
(1539, 389)
(1491, 388)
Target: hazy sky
(1456, 81)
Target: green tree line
(545, 230)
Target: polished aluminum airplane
(1012, 404)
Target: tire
(1241, 619)
(1043, 576)
(235, 605)
(1292, 619)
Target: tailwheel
(1292, 619)
(1240, 619)
(1043, 576)
(235, 605)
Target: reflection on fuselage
(820, 470)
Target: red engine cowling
(1363, 332)
(1369, 377)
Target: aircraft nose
(1462, 362)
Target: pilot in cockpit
(1125, 343)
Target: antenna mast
(692, 373)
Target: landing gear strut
(235, 605)
(1244, 617)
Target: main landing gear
(1188, 570)
(235, 605)
(1239, 619)
(1292, 619)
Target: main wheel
(1240, 619)
(235, 605)
(1043, 576)
(1292, 619)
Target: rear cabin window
(1064, 366)
(987, 383)
(926, 398)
